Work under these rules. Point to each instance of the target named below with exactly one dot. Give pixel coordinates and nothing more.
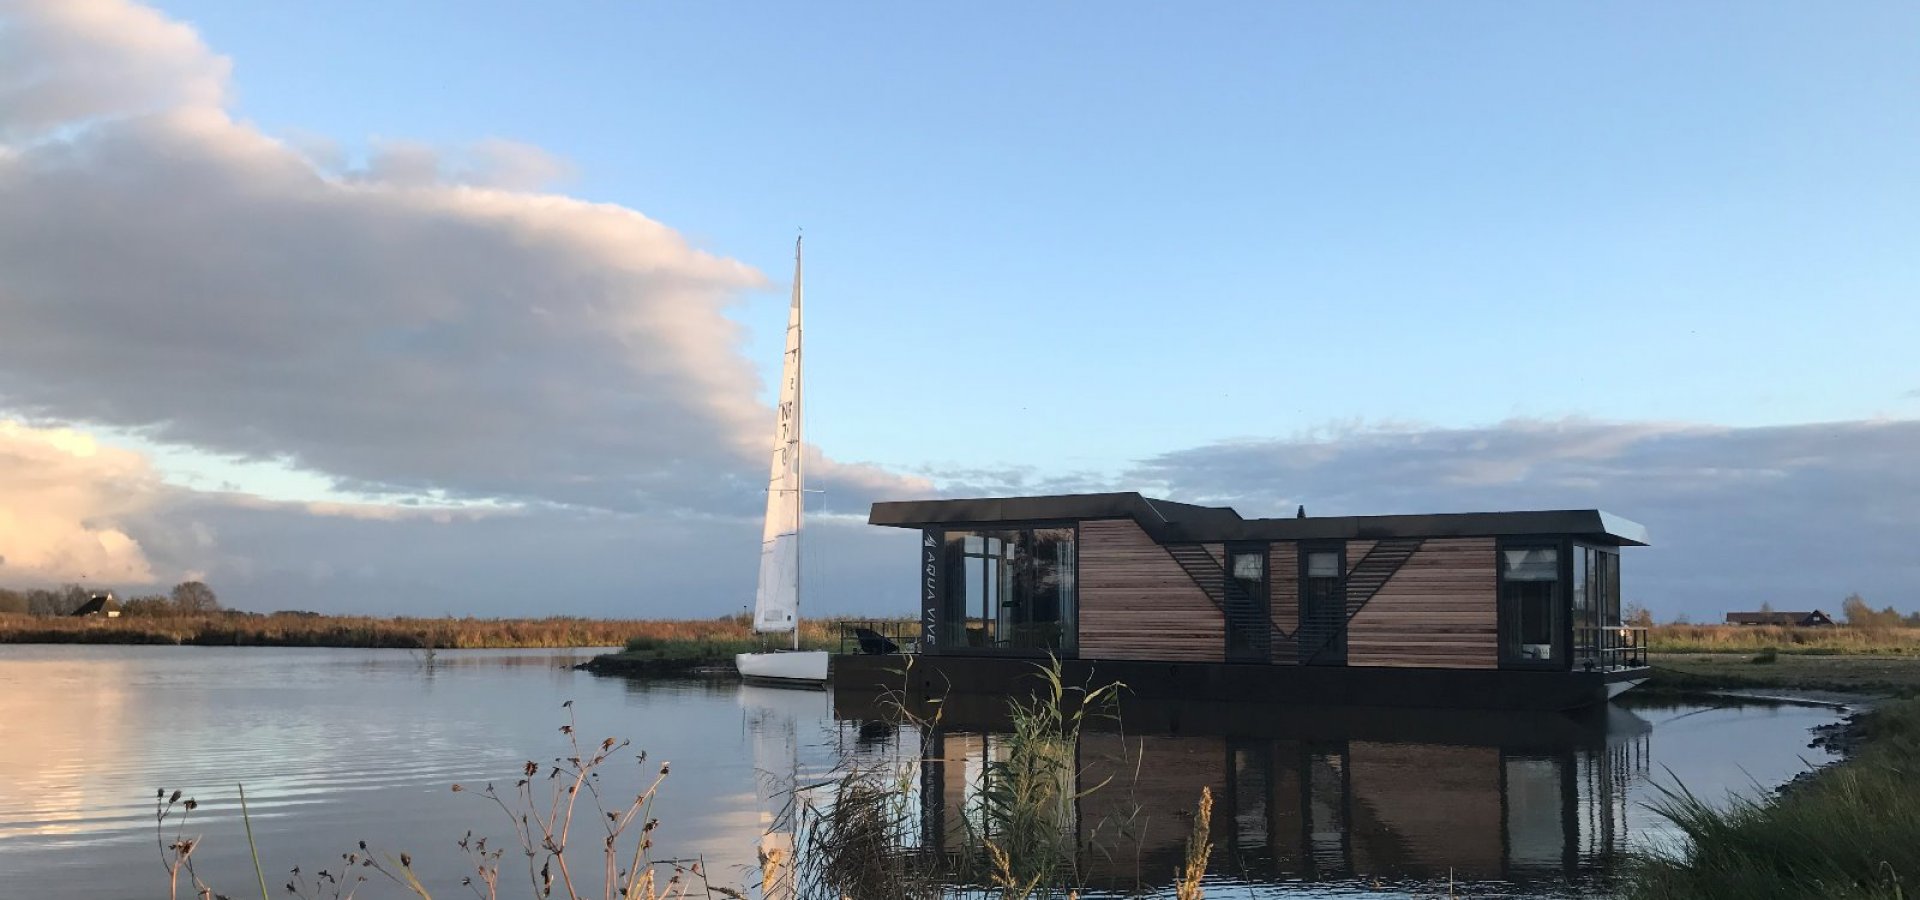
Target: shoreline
(629, 666)
(1835, 829)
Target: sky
(472, 307)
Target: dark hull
(931, 676)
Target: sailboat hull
(798, 667)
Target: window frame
(1561, 603)
(1335, 653)
(1259, 593)
(943, 594)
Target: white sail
(776, 606)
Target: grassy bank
(1850, 831)
(650, 654)
(710, 637)
(1840, 640)
(1893, 675)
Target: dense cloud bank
(1797, 516)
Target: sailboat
(776, 605)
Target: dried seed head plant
(545, 814)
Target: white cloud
(63, 62)
(64, 506)
(556, 377)
(421, 325)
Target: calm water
(340, 746)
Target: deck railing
(904, 635)
(1610, 647)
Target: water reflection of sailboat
(777, 723)
(1325, 795)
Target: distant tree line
(1859, 615)
(186, 598)
(1855, 612)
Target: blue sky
(447, 306)
(1249, 220)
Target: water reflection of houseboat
(1336, 794)
(1517, 610)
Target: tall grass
(1781, 639)
(1851, 831)
(306, 630)
(1020, 836)
(1027, 798)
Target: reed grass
(305, 630)
(1837, 640)
(1849, 831)
(1190, 885)
(1018, 839)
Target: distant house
(105, 605)
(1814, 619)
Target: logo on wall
(929, 615)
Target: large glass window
(1609, 597)
(1596, 604)
(1585, 634)
(1530, 624)
(1009, 589)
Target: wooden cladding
(1357, 551)
(1283, 577)
(1136, 602)
(1437, 611)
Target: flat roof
(1170, 521)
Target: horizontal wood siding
(1357, 551)
(1283, 574)
(1137, 603)
(1438, 611)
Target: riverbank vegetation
(1848, 831)
(1830, 640)
(1893, 675)
(713, 638)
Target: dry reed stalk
(1199, 849)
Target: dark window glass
(1324, 609)
(1586, 636)
(1609, 566)
(1529, 605)
(1248, 627)
(1010, 589)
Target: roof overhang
(1169, 521)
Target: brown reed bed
(1837, 640)
(233, 629)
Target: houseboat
(1500, 610)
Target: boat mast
(799, 439)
